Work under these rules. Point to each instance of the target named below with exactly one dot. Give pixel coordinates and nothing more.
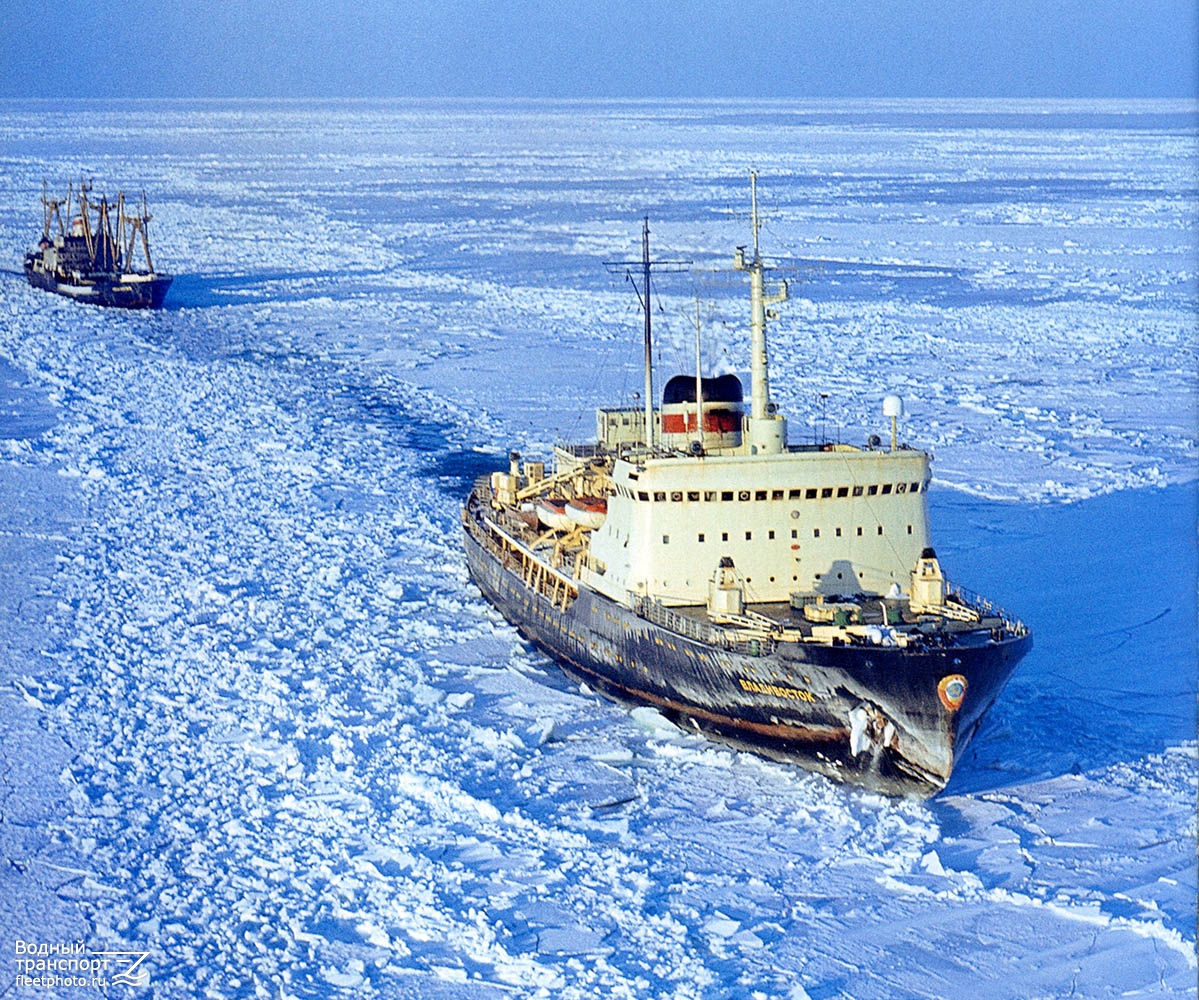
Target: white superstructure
(840, 521)
(723, 483)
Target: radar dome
(892, 406)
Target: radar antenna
(767, 430)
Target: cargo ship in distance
(780, 597)
(98, 257)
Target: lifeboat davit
(586, 511)
(551, 511)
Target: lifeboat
(551, 511)
(587, 511)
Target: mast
(85, 214)
(649, 338)
(145, 223)
(767, 431)
(699, 383)
(643, 294)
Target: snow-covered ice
(257, 723)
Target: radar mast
(767, 431)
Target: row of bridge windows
(805, 493)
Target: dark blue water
(1108, 586)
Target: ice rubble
(285, 747)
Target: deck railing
(986, 608)
(710, 635)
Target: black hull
(103, 291)
(795, 702)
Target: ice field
(257, 724)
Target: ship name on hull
(777, 690)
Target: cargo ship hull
(121, 291)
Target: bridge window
(701, 536)
(726, 495)
(815, 532)
(880, 529)
(760, 495)
(660, 497)
(776, 495)
(842, 491)
(915, 487)
(794, 494)
(871, 490)
(886, 488)
(826, 493)
(857, 491)
(810, 494)
(693, 496)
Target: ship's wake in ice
(259, 725)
